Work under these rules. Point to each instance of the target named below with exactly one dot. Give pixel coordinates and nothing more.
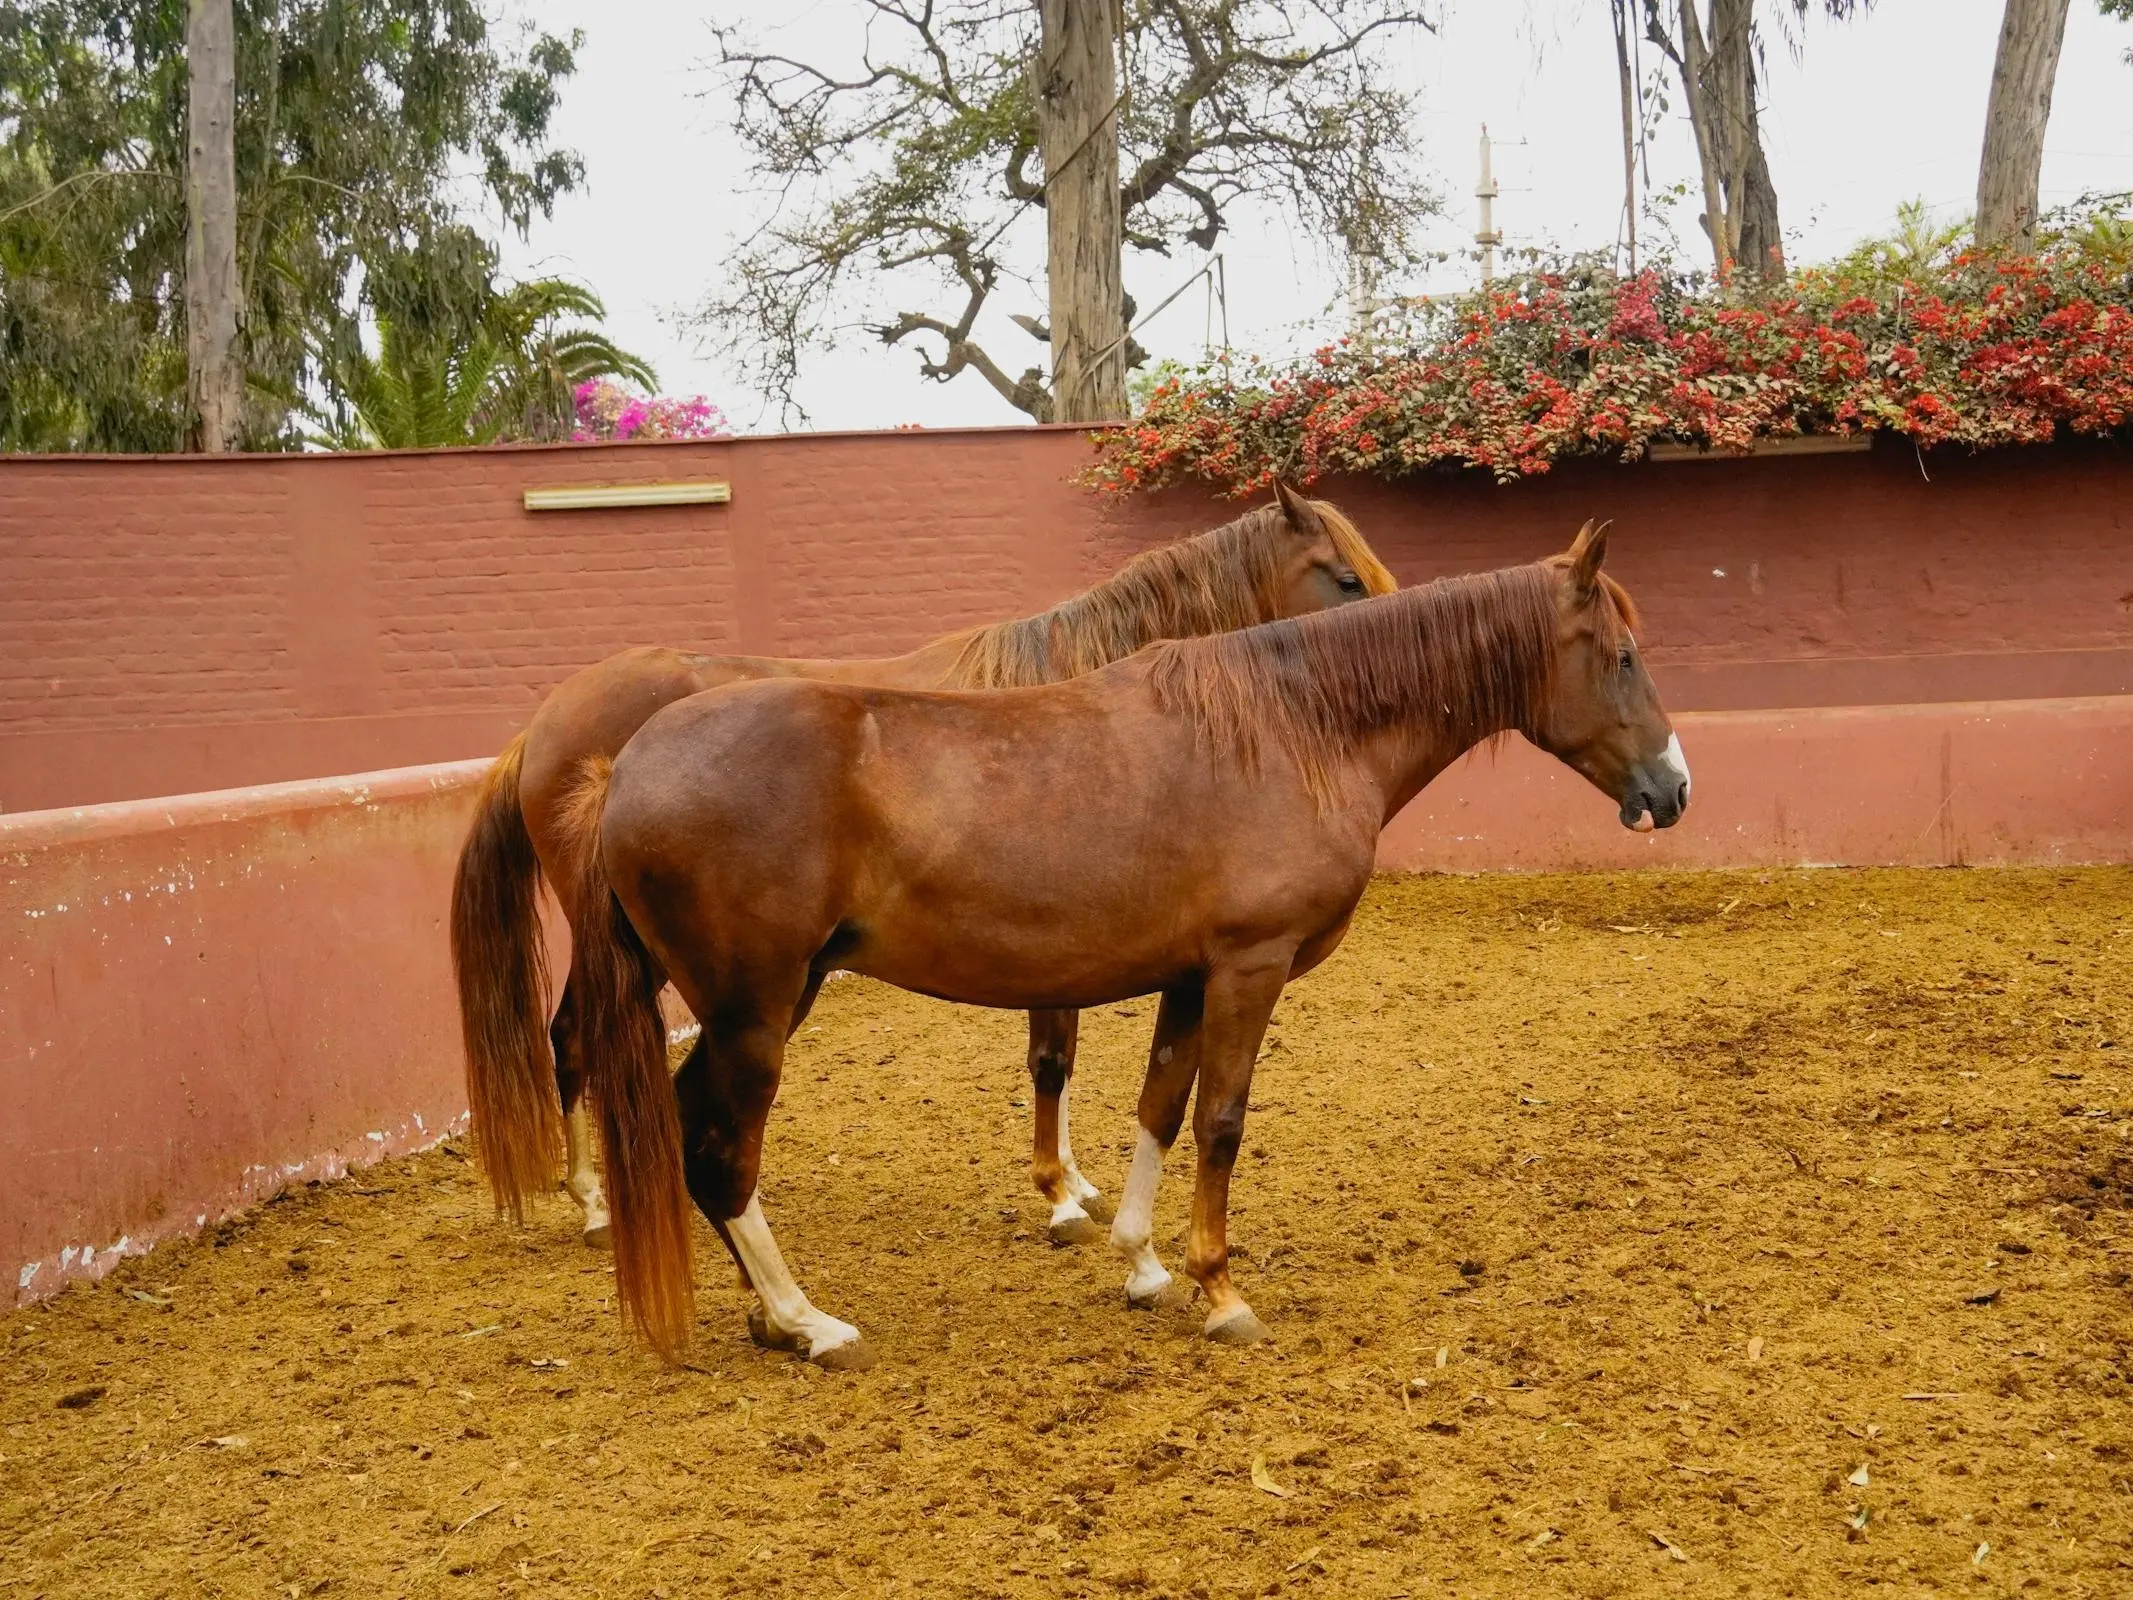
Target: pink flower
(606, 411)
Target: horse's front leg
(1077, 1207)
(1173, 1059)
(1239, 1001)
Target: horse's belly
(1026, 951)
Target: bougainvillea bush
(1579, 361)
(609, 411)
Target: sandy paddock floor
(1726, 1234)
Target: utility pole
(1488, 236)
(214, 372)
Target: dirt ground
(1723, 1234)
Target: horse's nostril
(1681, 797)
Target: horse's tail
(622, 1041)
(500, 961)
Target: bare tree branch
(910, 178)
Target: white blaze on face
(785, 1308)
(1672, 760)
(1132, 1228)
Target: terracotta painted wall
(204, 999)
(1877, 660)
(176, 624)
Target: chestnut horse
(1286, 560)
(1198, 822)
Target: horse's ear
(1302, 515)
(1587, 551)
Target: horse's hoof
(1098, 1207)
(1236, 1326)
(1076, 1230)
(599, 1236)
(767, 1337)
(1169, 1297)
(854, 1355)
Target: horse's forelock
(1350, 545)
(1625, 607)
(1622, 608)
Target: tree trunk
(214, 372)
(2031, 32)
(1717, 64)
(1699, 89)
(1761, 245)
(1077, 125)
(1631, 126)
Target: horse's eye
(1350, 583)
(1629, 661)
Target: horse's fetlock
(1204, 1269)
(1050, 1178)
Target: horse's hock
(1776, 1219)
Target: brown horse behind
(1197, 822)
(523, 1079)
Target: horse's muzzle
(1658, 788)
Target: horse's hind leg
(1091, 1197)
(725, 1089)
(582, 1178)
(1052, 1037)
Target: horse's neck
(1193, 574)
(1400, 762)
(1085, 633)
(1415, 729)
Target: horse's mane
(1214, 582)
(1474, 654)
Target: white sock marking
(1134, 1225)
(583, 1178)
(1068, 1210)
(1078, 1188)
(785, 1308)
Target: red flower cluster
(1983, 352)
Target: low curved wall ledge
(205, 999)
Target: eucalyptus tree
(353, 123)
(1715, 48)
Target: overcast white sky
(1871, 114)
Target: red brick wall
(168, 625)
